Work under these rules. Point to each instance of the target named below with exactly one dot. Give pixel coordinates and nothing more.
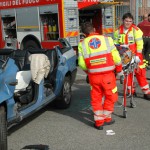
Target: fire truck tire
(3, 129)
(31, 44)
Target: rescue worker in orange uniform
(131, 36)
(98, 57)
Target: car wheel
(3, 129)
(64, 100)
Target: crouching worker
(98, 57)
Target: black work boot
(98, 127)
(110, 122)
(147, 96)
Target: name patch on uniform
(130, 37)
(98, 61)
(94, 43)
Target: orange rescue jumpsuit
(99, 58)
(133, 38)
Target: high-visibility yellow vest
(133, 39)
(96, 54)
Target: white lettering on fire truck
(30, 1)
(18, 2)
(7, 3)
(94, 0)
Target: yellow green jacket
(133, 39)
(93, 51)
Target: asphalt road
(72, 129)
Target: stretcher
(130, 63)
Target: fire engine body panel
(38, 23)
(100, 13)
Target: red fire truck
(100, 12)
(39, 23)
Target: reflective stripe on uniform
(107, 114)
(112, 47)
(134, 33)
(84, 48)
(142, 66)
(107, 51)
(98, 115)
(139, 51)
(147, 91)
(138, 39)
(129, 87)
(91, 87)
(145, 87)
(79, 54)
(114, 90)
(98, 112)
(95, 54)
(117, 38)
(118, 64)
(109, 48)
(108, 44)
(102, 69)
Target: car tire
(3, 129)
(64, 99)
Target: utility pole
(131, 6)
(136, 11)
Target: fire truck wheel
(3, 129)
(31, 45)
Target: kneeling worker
(98, 57)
